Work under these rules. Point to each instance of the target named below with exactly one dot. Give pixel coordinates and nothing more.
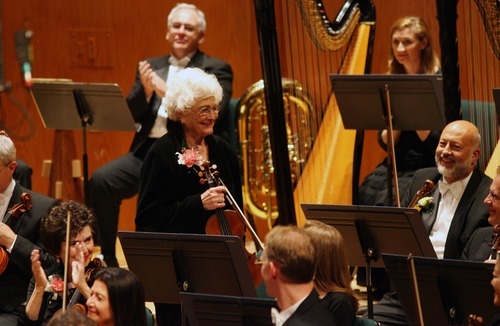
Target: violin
(230, 222)
(19, 208)
(426, 189)
(74, 304)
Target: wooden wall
(102, 41)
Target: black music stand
(373, 230)
(450, 290)
(211, 310)
(82, 106)
(168, 263)
(416, 103)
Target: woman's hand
(78, 271)
(213, 198)
(38, 272)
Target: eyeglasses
(1, 170)
(206, 110)
(492, 196)
(261, 262)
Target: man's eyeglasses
(206, 110)
(492, 196)
(1, 170)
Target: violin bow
(66, 263)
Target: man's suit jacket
(478, 247)
(15, 279)
(471, 213)
(310, 312)
(144, 113)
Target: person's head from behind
(194, 101)
(458, 150)
(186, 27)
(117, 298)
(82, 230)
(71, 317)
(332, 271)
(289, 258)
(411, 47)
(7, 160)
(493, 201)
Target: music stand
(451, 289)
(85, 106)
(416, 102)
(168, 263)
(211, 310)
(372, 230)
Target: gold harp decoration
(490, 14)
(327, 35)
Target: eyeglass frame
(205, 110)
(492, 196)
(5, 167)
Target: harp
(315, 47)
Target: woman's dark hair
(126, 296)
(53, 230)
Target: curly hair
(53, 230)
(191, 85)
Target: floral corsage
(425, 205)
(190, 157)
(55, 286)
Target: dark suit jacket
(144, 113)
(310, 312)
(471, 213)
(478, 247)
(15, 279)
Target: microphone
(24, 52)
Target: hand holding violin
(7, 236)
(213, 198)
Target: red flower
(56, 284)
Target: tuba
(259, 193)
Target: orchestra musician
(479, 246)
(332, 279)
(19, 236)
(457, 208)
(45, 293)
(171, 197)
(119, 179)
(288, 266)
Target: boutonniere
(55, 286)
(425, 205)
(189, 157)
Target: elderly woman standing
(171, 197)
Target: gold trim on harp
(320, 29)
(490, 14)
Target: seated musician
(117, 298)
(19, 235)
(171, 197)
(332, 279)
(456, 207)
(411, 53)
(288, 266)
(479, 246)
(45, 294)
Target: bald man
(457, 203)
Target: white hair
(202, 22)
(189, 86)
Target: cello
(19, 208)
(230, 222)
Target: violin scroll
(426, 189)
